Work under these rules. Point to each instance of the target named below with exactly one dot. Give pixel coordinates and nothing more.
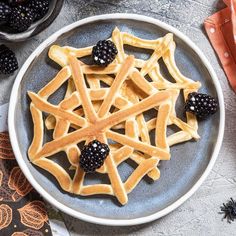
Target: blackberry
(202, 105)
(8, 61)
(93, 155)
(104, 52)
(21, 18)
(40, 8)
(16, 2)
(5, 11)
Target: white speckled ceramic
(180, 177)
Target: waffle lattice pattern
(99, 102)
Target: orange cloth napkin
(221, 30)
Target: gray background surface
(199, 215)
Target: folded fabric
(232, 5)
(22, 210)
(221, 30)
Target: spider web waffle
(99, 112)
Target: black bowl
(36, 27)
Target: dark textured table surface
(199, 215)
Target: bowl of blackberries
(22, 19)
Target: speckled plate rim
(52, 200)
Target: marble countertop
(199, 215)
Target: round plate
(191, 162)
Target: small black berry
(202, 105)
(39, 7)
(8, 61)
(104, 52)
(93, 155)
(5, 12)
(16, 2)
(21, 18)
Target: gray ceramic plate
(180, 177)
